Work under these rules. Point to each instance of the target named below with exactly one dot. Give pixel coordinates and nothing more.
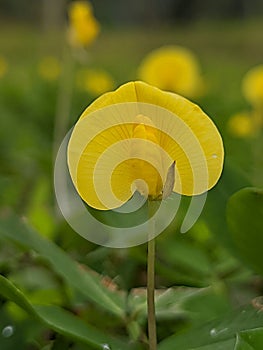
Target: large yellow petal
(99, 148)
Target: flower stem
(150, 288)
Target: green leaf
(241, 344)
(222, 345)
(244, 217)
(232, 180)
(251, 340)
(169, 303)
(60, 320)
(12, 228)
(212, 335)
(10, 292)
(197, 304)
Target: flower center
(147, 165)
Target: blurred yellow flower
(172, 68)
(49, 68)
(83, 27)
(3, 66)
(252, 86)
(140, 138)
(95, 81)
(241, 125)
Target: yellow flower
(244, 124)
(172, 68)
(241, 125)
(83, 27)
(139, 138)
(3, 66)
(49, 68)
(252, 86)
(95, 81)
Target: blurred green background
(220, 274)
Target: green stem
(150, 290)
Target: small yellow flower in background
(140, 138)
(242, 125)
(249, 124)
(49, 68)
(95, 81)
(173, 68)
(83, 27)
(252, 86)
(3, 66)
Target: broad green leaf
(252, 338)
(216, 332)
(60, 320)
(88, 284)
(10, 292)
(232, 180)
(222, 345)
(69, 325)
(241, 344)
(244, 217)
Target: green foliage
(191, 307)
(58, 319)
(63, 265)
(222, 332)
(244, 214)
